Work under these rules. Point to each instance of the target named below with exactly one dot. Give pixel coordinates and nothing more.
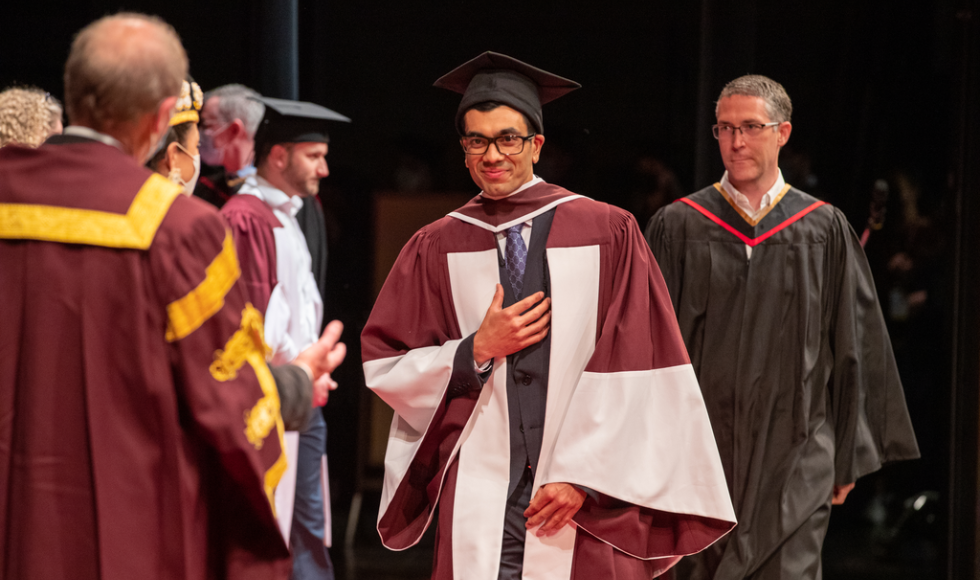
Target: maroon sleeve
(225, 389)
(256, 247)
(637, 327)
(419, 277)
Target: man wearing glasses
(777, 307)
(229, 120)
(561, 430)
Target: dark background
(881, 90)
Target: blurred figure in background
(298, 387)
(654, 185)
(178, 158)
(141, 433)
(292, 145)
(28, 116)
(229, 119)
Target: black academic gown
(314, 227)
(216, 186)
(795, 365)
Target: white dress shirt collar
(88, 133)
(743, 202)
(276, 198)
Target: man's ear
(164, 112)
(279, 157)
(784, 130)
(537, 143)
(235, 130)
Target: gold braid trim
(752, 222)
(133, 230)
(267, 408)
(248, 345)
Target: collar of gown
(88, 133)
(743, 201)
(273, 196)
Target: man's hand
(508, 330)
(552, 507)
(322, 358)
(321, 389)
(840, 493)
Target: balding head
(120, 69)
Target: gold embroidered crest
(248, 345)
(247, 339)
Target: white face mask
(175, 176)
(189, 187)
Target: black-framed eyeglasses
(748, 130)
(506, 144)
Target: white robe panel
(484, 457)
(413, 384)
(574, 276)
(484, 460)
(659, 478)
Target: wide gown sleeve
(871, 421)
(414, 357)
(227, 394)
(661, 487)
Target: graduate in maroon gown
(543, 397)
(140, 433)
(292, 145)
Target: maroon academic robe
(624, 415)
(252, 222)
(139, 424)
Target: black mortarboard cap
(497, 77)
(287, 121)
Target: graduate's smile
(494, 173)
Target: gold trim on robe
(248, 345)
(187, 314)
(741, 212)
(133, 230)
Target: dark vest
(527, 370)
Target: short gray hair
(121, 67)
(778, 105)
(238, 102)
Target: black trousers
(512, 550)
